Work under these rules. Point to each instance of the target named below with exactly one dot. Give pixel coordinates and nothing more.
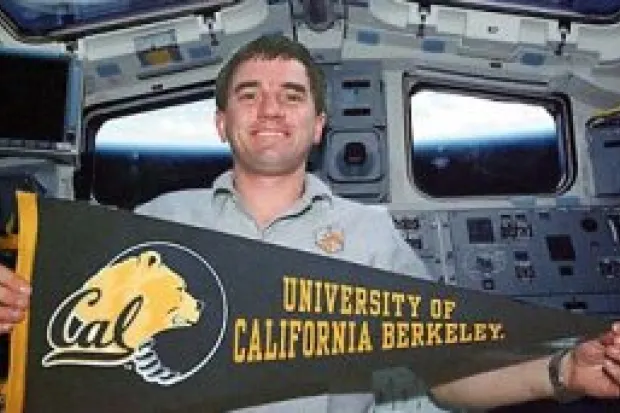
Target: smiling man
(271, 123)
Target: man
(270, 109)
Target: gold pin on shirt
(330, 239)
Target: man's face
(270, 120)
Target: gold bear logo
(118, 310)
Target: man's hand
(593, 367)
(14, 299)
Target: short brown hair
(272, 47)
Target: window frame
(563, 14)
(96, 116)
(558, 104)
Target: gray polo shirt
(320, 222)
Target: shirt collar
(223, 184)
(315, 189)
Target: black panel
(560, 248)
(480, 230)
(32, 89)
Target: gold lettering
(289, 293)
(375, 302)
(398, 299)
(305, 295)
(417, 336)
(263, 340)
(386, 303)
(345, 299)
(496, 331)
(448, 308)
(433, 335)
(360, 301)
(295, 328)
(414, 302)
(322, 335)
(271, 349)
(238, 351)
(308, 339)
(387, 335)
(435, 308)
(402, 334)
(365, 343)
(451, 333)
(351, 325)
(480, 332)
(254, 349)
(283, 329)
(465, 335)
(338, 337)
(318, 285)
(330, 294)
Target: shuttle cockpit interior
(490, 129)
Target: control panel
(562, 257)
(355, 144)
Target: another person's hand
(593, 367)
(14, 299)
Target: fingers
(611, 337)
(9, 317)
(14, 299)
(611, 363)
(612, 353)
(611, 367)
(9, 280)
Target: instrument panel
(562, 257)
